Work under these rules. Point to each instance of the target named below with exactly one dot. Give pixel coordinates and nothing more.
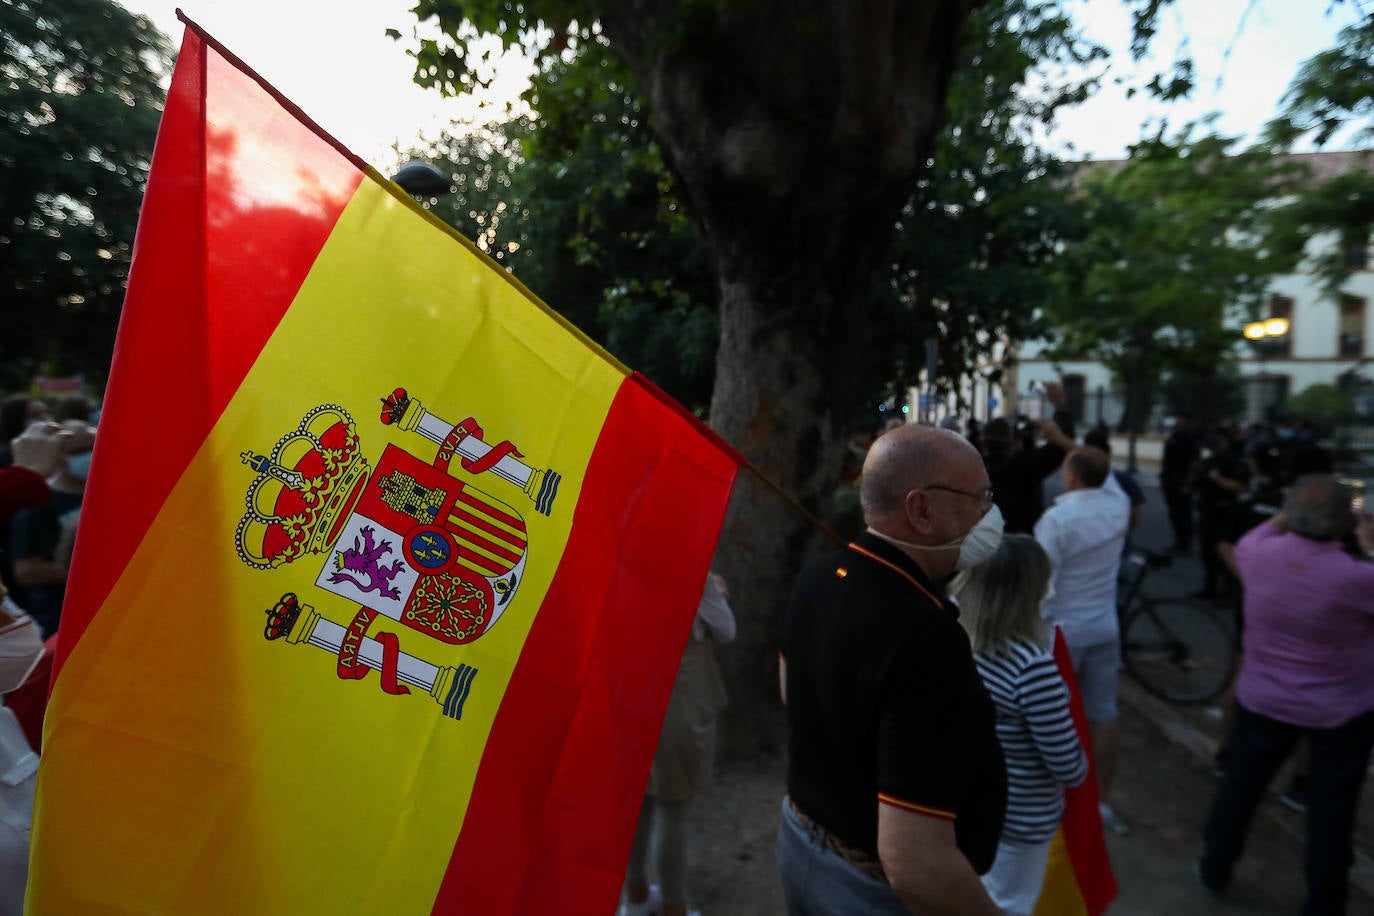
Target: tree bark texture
(796, 131)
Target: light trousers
(662, 827)
(1017, 875)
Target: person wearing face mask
(1083, 533)
(21, 648)
(41, 538)
(896, 786)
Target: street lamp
(1270, 327)
(1262, 336)
(421, 179)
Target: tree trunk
(796, 132)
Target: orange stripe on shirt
(898, 570)
(912, 806)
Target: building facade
(1324, 339)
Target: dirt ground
(1163, 790)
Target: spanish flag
(1078, 878)
(384, 571)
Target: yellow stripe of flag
(175, 692)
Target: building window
(1351, 341)
(1357, 255)
(1280, 307)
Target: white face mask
(982, 541)
(21, 646)
(975, 548)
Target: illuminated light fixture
(1276, 327)
(1254, 330)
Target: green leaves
(1178, 238)
(1339, 208)
(603, 232)
(84, 88)
(452, 63)
(1332, 90)
(981, 230)
(579, 206)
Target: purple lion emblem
(365, 559)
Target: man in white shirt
(1083, 533)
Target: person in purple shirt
(1308, 669)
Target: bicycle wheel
(1178, 649)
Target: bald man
(896, 783)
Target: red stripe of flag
(560, 783)
(480, 563)
(158, 411)
(466, 497)
(510, 550)
(1084, 840)
(515, 540)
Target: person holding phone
(1305, 672)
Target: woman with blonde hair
(999, 606)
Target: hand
(1279, 522)
(1052, 433)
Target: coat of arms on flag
(409, 541)
(521, 532)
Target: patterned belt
(865, 862)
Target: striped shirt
(1035, 728)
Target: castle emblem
(407, 540)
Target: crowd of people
(930, 737)
(931, 742)
(45, 454)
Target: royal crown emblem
(304, 490)
(406, 540)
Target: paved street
(1194, 731)
(1164, 787)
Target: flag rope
(794, 503)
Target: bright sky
(1267, 40)
(335, 61)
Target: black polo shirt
(885, 703)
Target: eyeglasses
(984, 497)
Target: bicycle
(1177, 648)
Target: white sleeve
(714, 612)
(1047, 533)
(1112, 485)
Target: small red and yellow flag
(1078, 878)
(384, 571)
